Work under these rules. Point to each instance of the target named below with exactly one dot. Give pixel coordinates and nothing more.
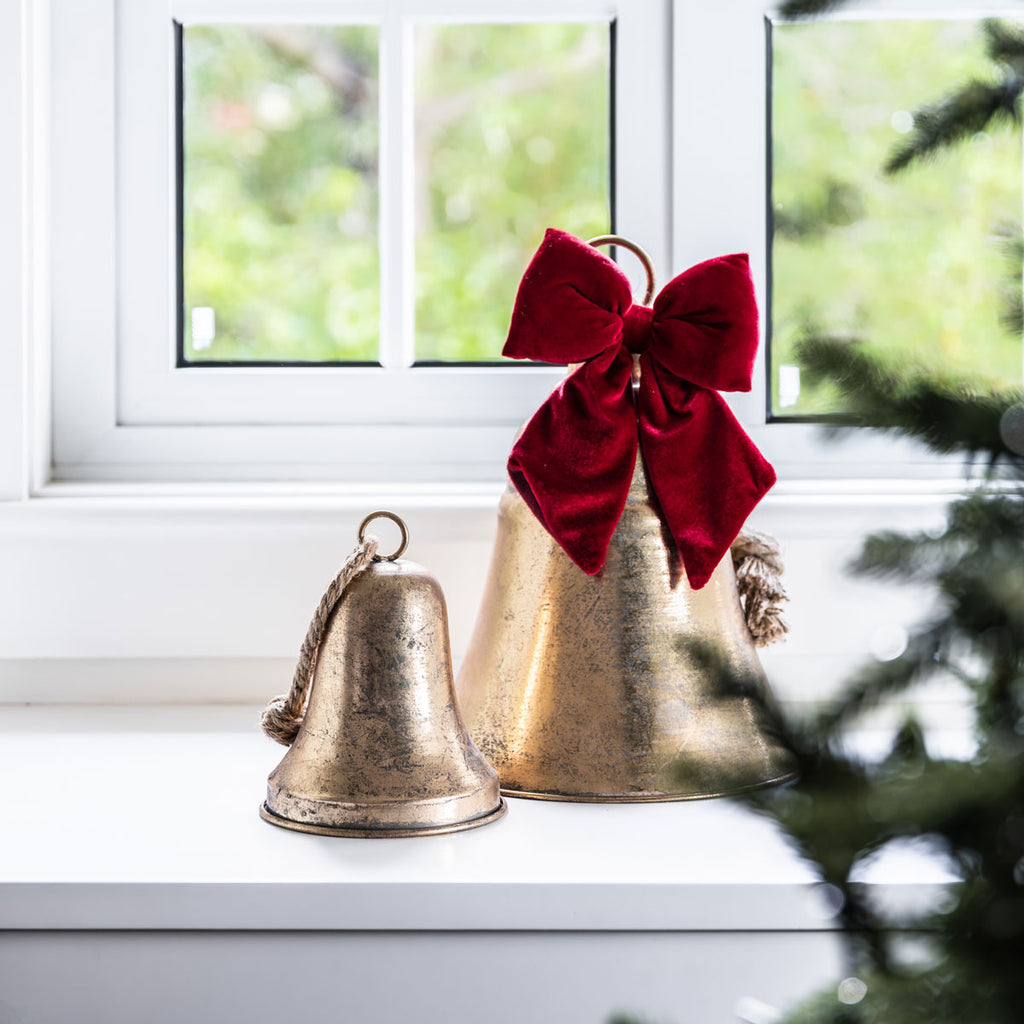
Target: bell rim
(647, 798)
(351, 832)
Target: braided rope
(758, 563)
(283, 715)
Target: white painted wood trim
(16, 192)
(83, 225)
(362, 12)
(170, 406)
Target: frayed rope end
(758, 563)
(280, 722)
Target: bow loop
(579, 488)
(570, 303)
(705, 324)
(573, 462)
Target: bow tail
(706, 472)
(573, 462)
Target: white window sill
(147, 819)
(849, 502)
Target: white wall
(207, 600)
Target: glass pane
(280, 255)
(922, 263)
(512, 137)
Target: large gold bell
(382, 750)
(616, 687)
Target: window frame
(16, 105)
(72, 329)
(142, 417)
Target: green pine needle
(945, 414)
(792, 10)
(972, 108)
(1004, 41)
(846, 808)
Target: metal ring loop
(383, 514)
(637, 251)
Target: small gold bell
(382, 750)
(600, 688)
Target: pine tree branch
(835, 204)
(977, 527)
(1010, 241)
(1004, 41)
(1011, 312)
(878, 681)
(946, 415)
(962, 114)
(792, 10)
(916, 557)
(974, 106)
(983, 516)
(984, 594)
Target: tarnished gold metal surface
(382, 751)
(617, 687)
(382, 833)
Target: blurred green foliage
(512, 138)
(281, 181)
(916, 262)
(280, 192)
(954, 958)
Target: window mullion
(396, 147)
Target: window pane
(512, 137)
(280, 255)
(922, 263)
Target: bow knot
(574, 460)
(636, 328)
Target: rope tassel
(283, 716)
(758, 563)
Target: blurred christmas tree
(960, 959)
(970, 107)
(965, 962)
(967, 953)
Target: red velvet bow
(573, 462)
